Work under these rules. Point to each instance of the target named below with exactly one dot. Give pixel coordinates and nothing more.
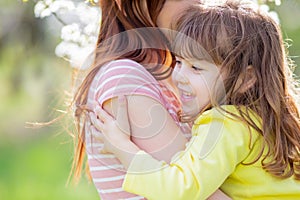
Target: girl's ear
(246, 80)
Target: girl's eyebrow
(178, 56)
(195, 59)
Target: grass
(39, 170)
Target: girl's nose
(179, 76)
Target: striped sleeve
(122, 77)
(125, 77)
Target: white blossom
(62, 6)
(63, 49)
(91, 29)
(265, 8)
(87, 14)
(77, 56)
(92, 39)
(42, 8)
(47, 7)
(80, 30)
(83, 40)
(277, 2)
(71, 33)
(274, 16)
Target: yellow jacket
(212, 159)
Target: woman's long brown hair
(237, 36)
(120, 38)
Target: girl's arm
(190, 174)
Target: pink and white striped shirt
(122, 77)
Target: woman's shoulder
(125, 68)
(124, 77)
(122, 63)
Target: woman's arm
(152, 127)
(218, 195)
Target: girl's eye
(196, 68)
(178, 62)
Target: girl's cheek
(174, 75)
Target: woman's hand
(115, 132)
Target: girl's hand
(112, 129)
(115, 133)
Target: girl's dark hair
(235, 36)
(125, 33)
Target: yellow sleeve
(219, 144)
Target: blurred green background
(35, 163)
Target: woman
(132, 58)
(244, 142)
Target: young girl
(130, 59)
(246, 136)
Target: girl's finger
(103, 151)
(96, 134)
(95, 121)
(102, 114)
(88, 122)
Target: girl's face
(195, 81)
(171, 10)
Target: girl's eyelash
(196, 68)
(178, 62)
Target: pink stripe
(125, 91)
(123, 70)
(109, 185)
(123, 67)
(157, 91)
(105, 162)
(106, 173)
(117, 195)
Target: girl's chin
(189, 112)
